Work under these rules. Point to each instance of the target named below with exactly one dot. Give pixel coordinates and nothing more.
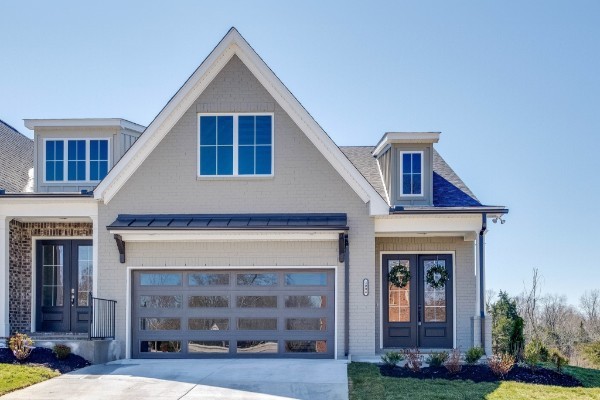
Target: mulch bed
(481, 373)
(46, 358)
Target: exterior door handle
(72, 297)
(419, 315)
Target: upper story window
(411, 174)
(235, 145)
(86, 160)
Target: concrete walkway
(197, 379)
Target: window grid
(66, 160)
(76, 160)
(411, 174)
(54, 160)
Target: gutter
(481, 277)
(347, 295)
(450, 210)
(4, 195)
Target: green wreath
(399, 275)
(437, 276)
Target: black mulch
(482, 373)
(45, 357)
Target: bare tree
(529, 304)
(590, 307)
(490, 298)
(560, 322)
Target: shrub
(501, 364)
(392, 358)
(474, 354)
(507, 326)
(21, 346)
(532, 352)
(558, 359)
(436, 359)
(591, 353)
(453, 364)
(414, 359)
(61, 351)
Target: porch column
(95, 231)
(4, 269)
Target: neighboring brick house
(233, 226)
(16, 159)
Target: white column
(4, 269)
(95, 254)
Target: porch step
(41, 336)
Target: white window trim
(66, 160)
(235, 174)
(400, 167)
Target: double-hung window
(235, 145)
(76, 160)
(411, 174)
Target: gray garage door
(241, 313)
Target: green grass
(367, 383)
(13, 377)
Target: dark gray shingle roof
(16, 159)
(448, 189)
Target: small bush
(558, 359)
(392, 358)
(591, 353)
(21, 346)
(474, 354)
(453, 364)
(414, 359)
(531, 354)
(501, 364)
(436, 359)
(61, 351)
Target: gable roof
(16, 159)
(234, 44)
(448, 189)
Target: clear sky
(513, 86)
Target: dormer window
(85, 160)
(411, 174)
(235, 145)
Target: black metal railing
(101, 318)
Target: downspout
(481, 277)
(347, 295)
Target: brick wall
(20, 264)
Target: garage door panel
(220, 313)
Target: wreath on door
(399, 275)
(437, 276)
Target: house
(233, 226)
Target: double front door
(64, 279)
(417, 314)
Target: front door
(64, 280)
(417, 315)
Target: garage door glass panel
(208, 324)
(257, 324)
(160, 346)
(257, 301)
(147, 279)
(208, 346)
(306, 324)
(208, 301)
(257, 346)
(306, 279)
(257, 279)
(306, 346)
(306, 301)
(160, 324)
(161, 301)
(202, 279)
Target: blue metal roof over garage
(333, 222)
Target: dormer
(405, 160)
(71, 155)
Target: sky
(513, 86)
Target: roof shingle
(16, 159)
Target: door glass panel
(257, 279)
(85, 275)
(435, 299)
(306, 324)
(160, 346)
(208, 346)
(257, 301)
(208, 324)
(147, 279)
(52, 275)
(306, 279)
(306, 301)
(158, 301)
(306, 346)
(208, 301)
(160, 324)
(256, 346)
(203, 279)
(257, 324)
(399, 298)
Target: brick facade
(20, 264)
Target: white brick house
(233, 226)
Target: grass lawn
(367, 383)
(13, 377)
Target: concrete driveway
(197, 379)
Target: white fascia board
(219, 236)
(405, 137)
(49, 207)
(409, 225)
(83, 122)
(234, 44)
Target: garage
(204, 313)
